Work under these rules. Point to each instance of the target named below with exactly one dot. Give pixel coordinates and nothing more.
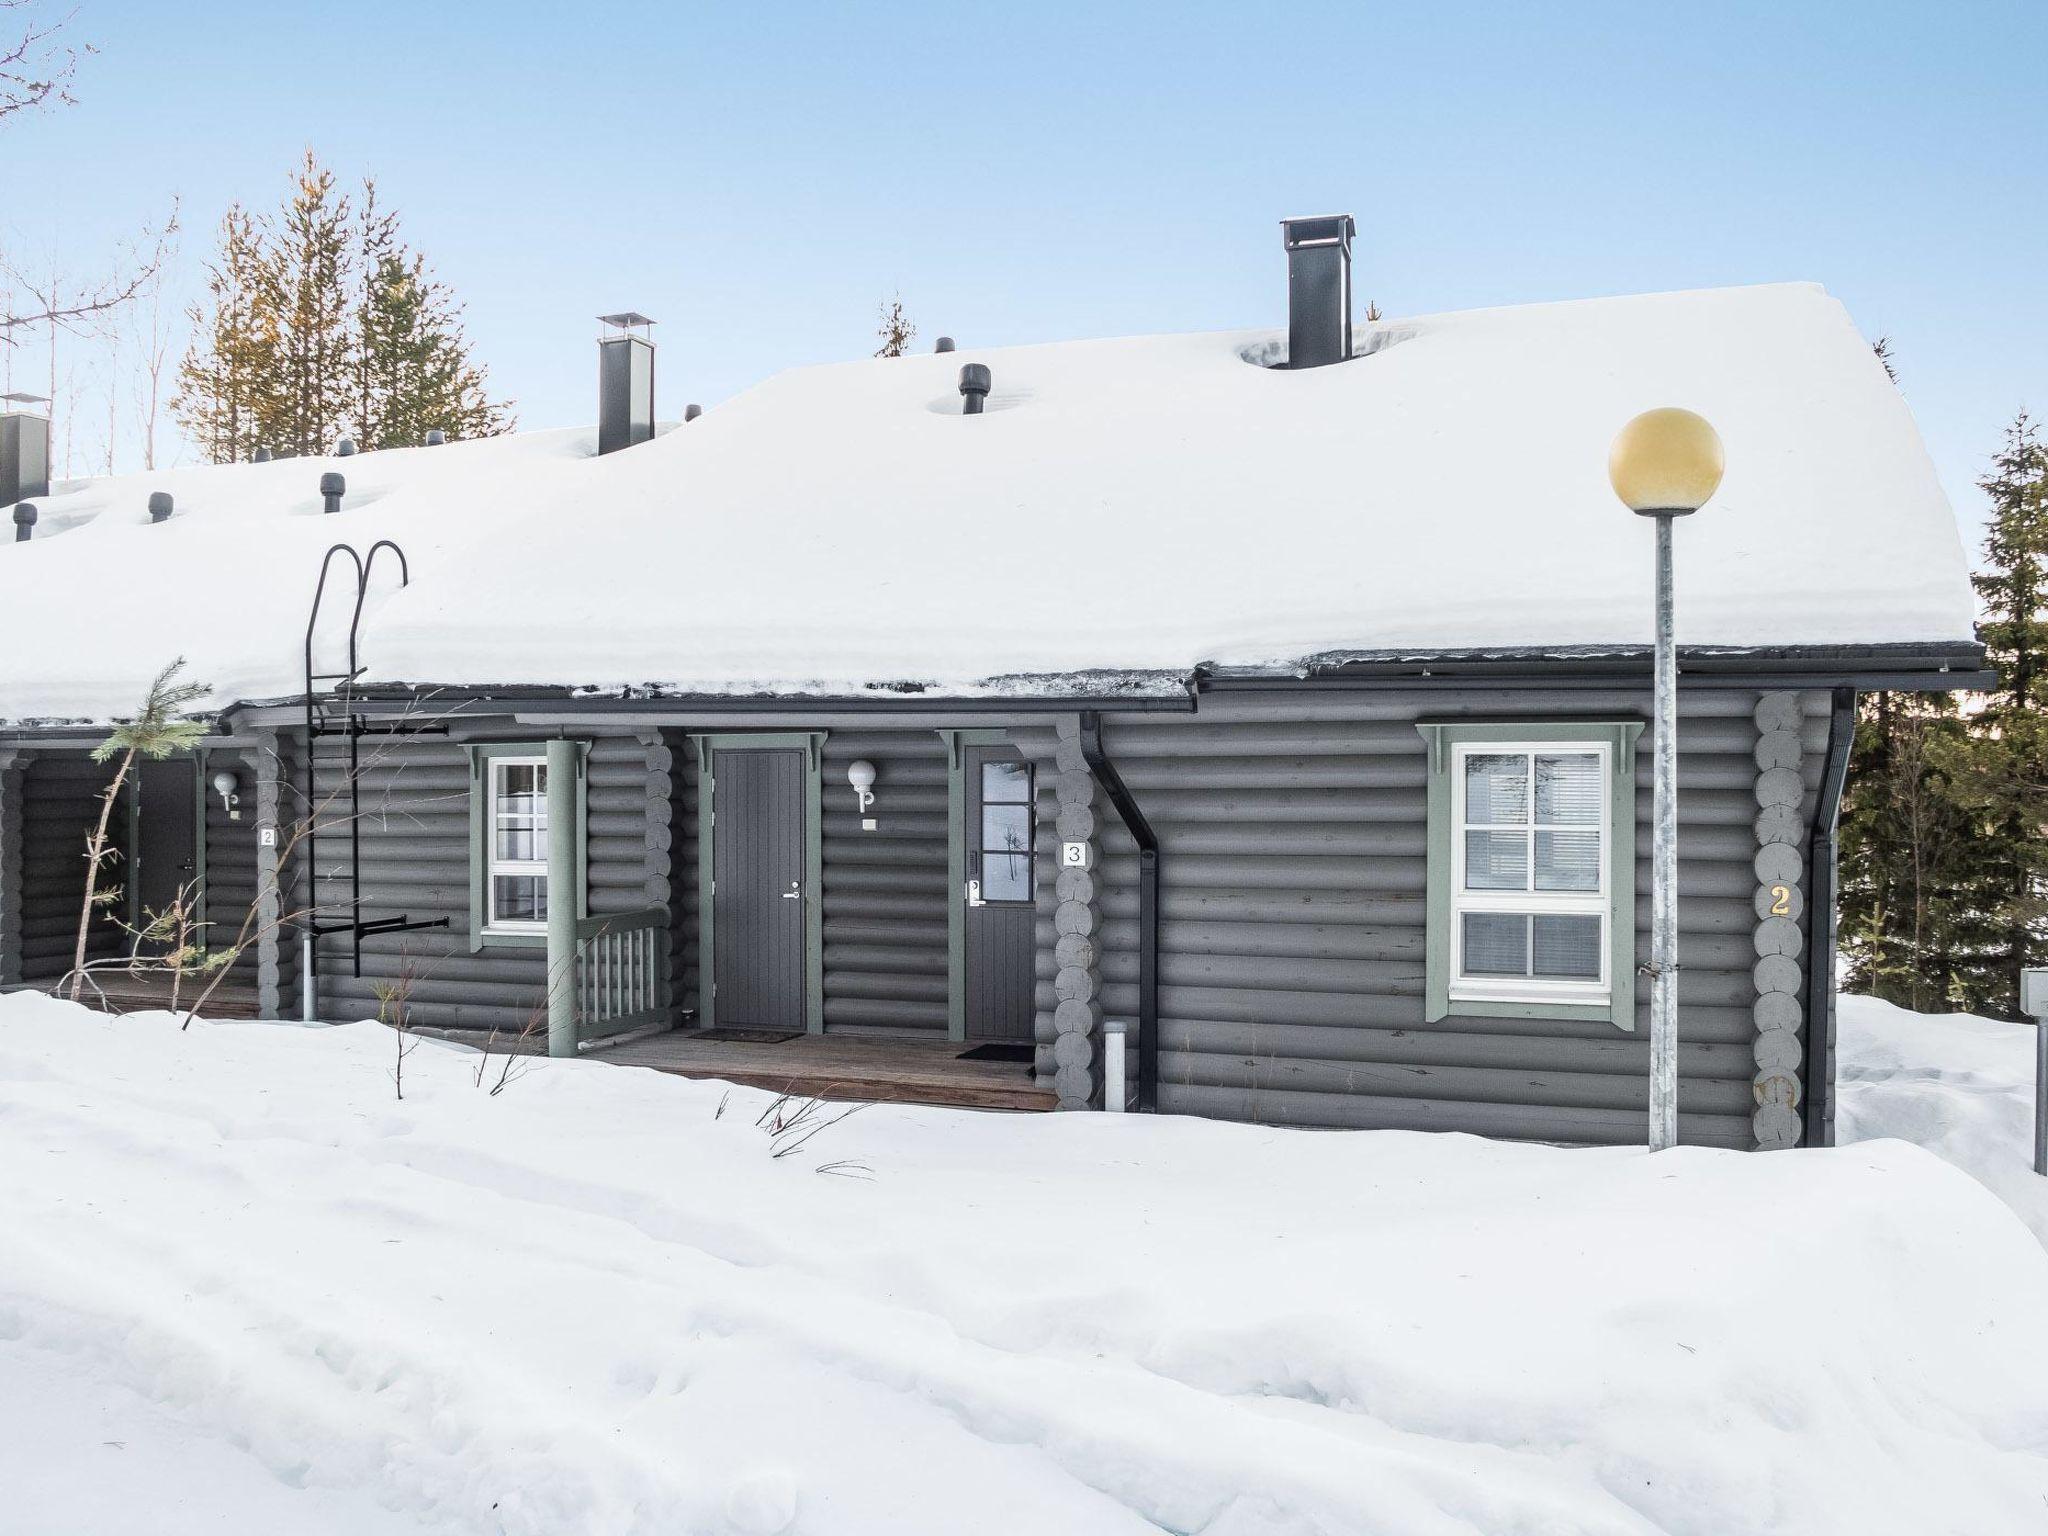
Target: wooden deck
(845, 1067)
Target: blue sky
(758, 176)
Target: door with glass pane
(1000, 895)
(1530, 900)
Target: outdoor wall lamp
(1665, 464)
(227, 786)
(861, 775)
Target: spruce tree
(2009, 779)
(1907, 848)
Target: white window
(1532, 879)
(516, 820)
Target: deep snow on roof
(1144, 505)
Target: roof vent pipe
(24, 447)
(945, 344)
(436, 437)
(345, 449)
(332, 489)
(692, 412)
(159, 506)
(24, 521)
(625, 381)
(975, 383)
(262, 456)
(1318, 289)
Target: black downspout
(1148, 905)
(1818, 1091)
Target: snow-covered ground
(244, 1288)
(1960, 1086)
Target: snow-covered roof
(1146, 504)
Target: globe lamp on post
(1665, 464)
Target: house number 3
(1781, 901)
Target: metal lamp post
(1665, 464)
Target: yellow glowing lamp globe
(1666, 461)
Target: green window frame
(1447, 994)
(483, 757)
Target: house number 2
(1781, 901)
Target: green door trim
(957, 740)
(812, 745)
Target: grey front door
(166, 833)
(757, 873)
(1002, 917)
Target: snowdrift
(597, 1302)
(1960, 1086)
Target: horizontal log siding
(59, 808)
(231, 859)
(415, 861)
(1293, 834)
(886, 891)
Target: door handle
(794, 893)
(974, 894)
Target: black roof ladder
(332, 714)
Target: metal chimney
(625, 381)
(1318, 289)
(332, 488)
(945, 344)
(692, 412)
(160, 506)
(24, 448)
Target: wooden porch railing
(619, 979)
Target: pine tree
(413, 369)
(319, 323)
(224, 373)
(307, 269)
(893, 329)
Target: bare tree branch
(36, 70)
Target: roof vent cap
(159, 506)
(975, 383)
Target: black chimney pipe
(24, 521)
(159, 506)
(1318, 289)
(945, 344)
(975, 383)
(332, 489)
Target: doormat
(1000, 1050)
(749, 1036)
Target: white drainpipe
(1113, 1095)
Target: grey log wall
(886, 891)
(1293, 831)
(414, 797)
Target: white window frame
(495, 866)
(1594, 903)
